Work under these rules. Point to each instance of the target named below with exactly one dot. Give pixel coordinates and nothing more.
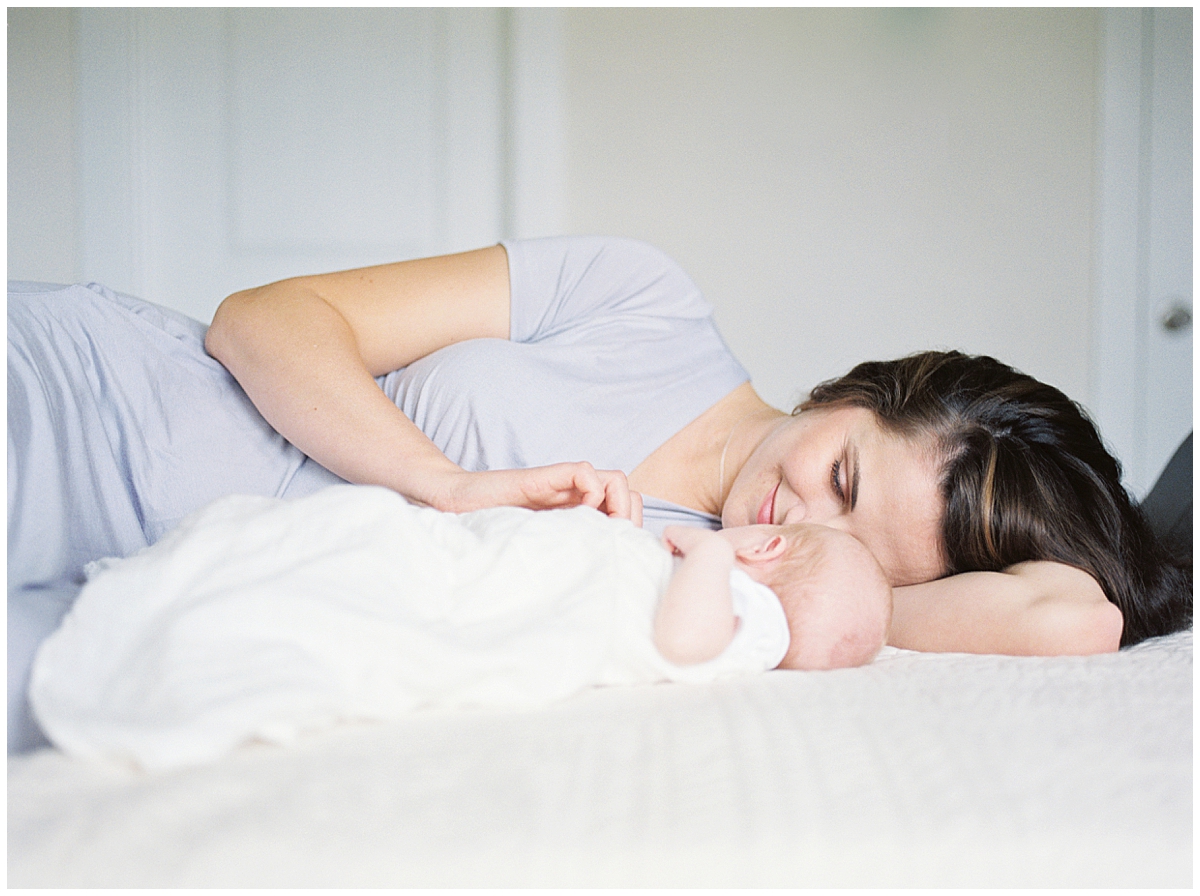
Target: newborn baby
(260, 618)
(834, 595)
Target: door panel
(225, 148)
(1142, 384)
(1168, 335)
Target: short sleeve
(566, 287)
(762, 634)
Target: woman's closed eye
(835, 479)
(847, 492)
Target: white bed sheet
(919, 770)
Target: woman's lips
(766, 513)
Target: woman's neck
(757, 421)
(687, 469)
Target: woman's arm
(1032, 609)
(695, 619)
(306, 351)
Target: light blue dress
(120, 424)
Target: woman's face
(840, 468)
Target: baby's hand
(682, 540)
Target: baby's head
(835, 596)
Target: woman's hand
(538, 488)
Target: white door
(226, 148)
(1167, 323)
(1143, 342)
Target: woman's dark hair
(1025, 477)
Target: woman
(987, 497)
(546, 373)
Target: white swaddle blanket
(260, 618)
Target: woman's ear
(770, 547)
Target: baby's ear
(768, 548)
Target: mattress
(917, 770)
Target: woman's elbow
(225, 324)
(234, 326)
(1107, 628)
(1081, 629)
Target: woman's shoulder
(598, 259)
(559, 281)
(590, 246)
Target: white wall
(42, 207)
(850, 184)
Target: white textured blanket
(918, 770)
(260, 618)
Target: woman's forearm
(1032, 609)
(297, 358)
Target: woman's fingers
(545, 488)
(585, 484)
(616, 498)
(635, 510)
(606, 490)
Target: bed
(917, 770)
